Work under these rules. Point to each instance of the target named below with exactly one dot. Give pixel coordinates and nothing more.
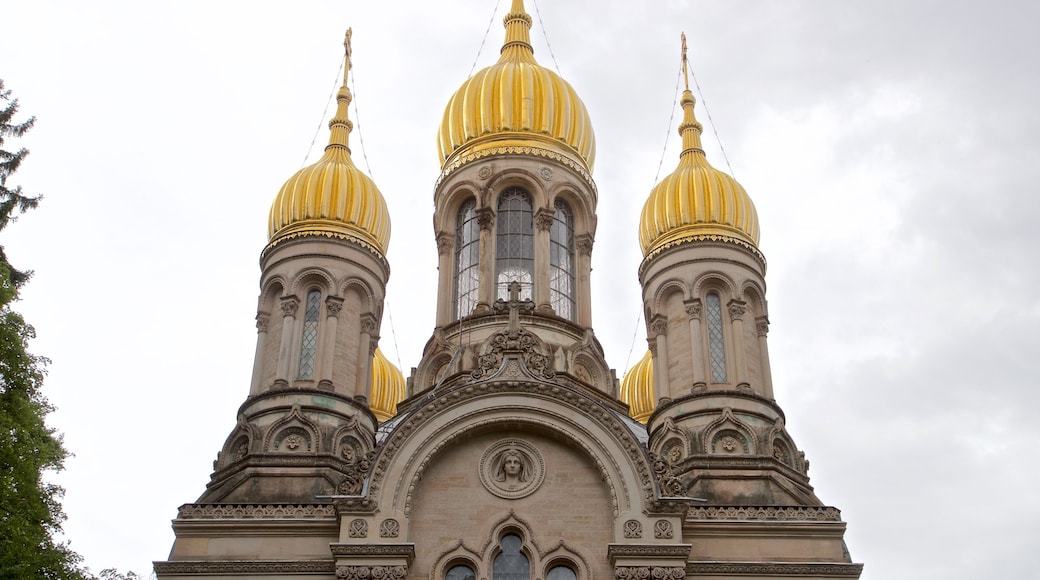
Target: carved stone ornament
(389, 528)
(543, 219)
(693, 308)
(370, 572)
(663, 530)
(358, 528)
(514, 340)
(262, 320)
(762, 327)
(357, 470)
(512, 468)
(445, 242)
(584, 244)
(737, 310)
(546, 173)
(633, 529)
(368, 324)
(484, 172)
(648, 572)
(289, 305)
(333, 305)
(667, 477)
(485, 218)
(659, 326)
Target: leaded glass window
(561, 261)
(309, 344)
(511, 563)
(561, 573)
(460, 572)
(716, 345)
(514, 243)
(467, 258)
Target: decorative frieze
(649, 572)
(763, 569)
(243, 568)
(775, 513)
(371, 572)
(194, 511)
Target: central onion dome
(332, 198)
(697, 201)
(515, 105)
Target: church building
(512, 452)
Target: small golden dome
(332, 198)
(637, 389)
(515, 103)
(388, 387)
(696, 201)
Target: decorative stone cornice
(763, 569)
(615, 551)
(765, 513)
(463, 160)
(371, 572)
(382, 550)
(649, 572)
(717, 238)
(226, 511)
(245, 567)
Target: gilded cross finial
(346, 46)
(685, 65)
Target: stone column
(333, 305)
(289, 306)
(366, 348)
(736, 316)
(762, 327)
(659, 350)
(582, 273)
(693, 311)
(540, 294)
(486, 288)
(446, 277)
(262, 320)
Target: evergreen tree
(30, 507)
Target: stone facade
(512, 452)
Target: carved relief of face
(674, 454)
(512, 465)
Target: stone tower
(513, 453)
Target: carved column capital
(333, 304)
(543, 219)
(737, 308)
(262, 320)
(693, 308)
(289, 304)
(445, 241)
(369, 324)
(658, 326)
(584, 243)
(486, 218)
(651, 345)
(762, 325)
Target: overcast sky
(891, 148)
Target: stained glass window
(561, 261)
(460, 572)
(716, 345)
(467, 259)
(511, 564)
(514, 256)
(309, 344)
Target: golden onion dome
(332, 198)
(388, 387)
(515, 105)
(637, 389)
(697, 201)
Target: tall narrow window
(309, 344)
(716, 345)
(511, 563)
(561, 261)
(514, 256)
(467, 258)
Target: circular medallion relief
(512, 468)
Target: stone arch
(665, 290)
(459, 554)
(271, 290)
(365, 292)
(584, 213)
(729, 425)
(294, 424)
(717, 281)
(318, 277)
(584, 361)
(516, 177)
(663, 436)
(563, 555)
(755, 296)
(352, 435)
(239, 443)
(449, 203)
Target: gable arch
(717, 281)
(584, 215)
(448, 205)
(515, 177)
(313, 276)
(364, 291)
(667, 289)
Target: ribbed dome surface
(516, 103)
(696, 201)
(332, 197)
(388, 387)
(637, 388)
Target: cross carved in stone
(515, 305)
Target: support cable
(546, 36)
(332, 95)
(484, 40)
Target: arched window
(511, 563)
(460, 572)
(561, 261)
(561, 573)
(716, 344)
(309, 342)
(467, 258)
(514, 256)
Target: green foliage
(30, 506)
